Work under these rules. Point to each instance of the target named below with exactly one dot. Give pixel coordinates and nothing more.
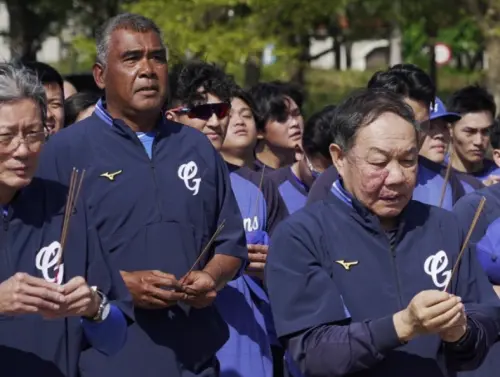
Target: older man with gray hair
(82, 296)
(370, 286)
(158, 192)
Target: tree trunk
(252, 71)
(24, 43)
(493, 72)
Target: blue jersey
(154, 213)
(348, 277)
(30, 243)
(292, 189)
(243, 303)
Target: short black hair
(316, 138)
(471, 99)
(495, 134)
(407, 80)
(361, 109)
(243, 95)
(77, 103)
(46, 73)
(185, 80)
(271, 101)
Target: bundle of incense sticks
(466, 241)
(75, 186)
(205, 250)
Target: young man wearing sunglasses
(200, 95)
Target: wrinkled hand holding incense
(466, 241)
(205, 250)
(75, 185)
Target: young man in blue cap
(435, 140)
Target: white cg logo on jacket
(187, 173)
(436, 267)
(46, 261)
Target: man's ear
(171, 115)
(496, 156)
(338, 158)
(99, 73)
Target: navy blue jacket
(337, 318)
(29, 239)
(485, 241)
(430, 180)
(154, 214)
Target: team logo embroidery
(436, 267)
(111, 176)
(187, 173)
(347, 265)
(251, 224)
(46, 262)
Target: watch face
(105, 311)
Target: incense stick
(446, 179)
(75, 186)
(205, 250)
(466, 241)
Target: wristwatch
(104, 306)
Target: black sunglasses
(205, 111)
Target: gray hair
(18, 82)
(127, 21)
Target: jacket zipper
(5, 239)
(155, 182)
(396, 273)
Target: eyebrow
(136, 52)
(385, 153)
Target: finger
(258, 258)
(39, 304)
(25, 309)
(431, 298)
(73, 285)
(44, 294)
(163, 275)
(164, 294)
(458, 320)
(198, 289)
(160, 281)
(441, 308)
(261, 249)
(442, 319)
(78, 295)
(256, 267)
(38, 282)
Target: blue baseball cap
(439, 111)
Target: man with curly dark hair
(201, 95)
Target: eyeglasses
(33, 140)
(205, 111)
